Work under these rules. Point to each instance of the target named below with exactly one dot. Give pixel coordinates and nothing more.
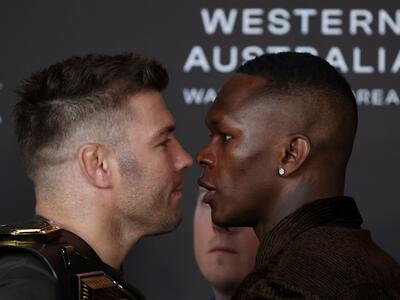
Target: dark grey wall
(35, 34)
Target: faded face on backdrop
(151, 166)
(239, 169)
(224, 256)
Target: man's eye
(225, 137)
(165, 143)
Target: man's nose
(225, 230)
(184, 159)
(205, 157)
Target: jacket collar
(338, 211)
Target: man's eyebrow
(165, 130)
(216, 122)
(212, 122)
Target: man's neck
(108, 240)
(221, 295)
(291, 200)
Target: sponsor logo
(364, 96)
(333, 34)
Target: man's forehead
(241, 88)
(149, 110)
(236, 96)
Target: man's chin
(168, 225)
(225, 284)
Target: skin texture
(224, 256)
(252, 136)
(238, 156)
(151, 166)
(124, 191)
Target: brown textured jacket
(321, 252)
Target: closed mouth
(205, 185)
(222, 249)
(178, 187)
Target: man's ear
(294, 153)
(94, 161)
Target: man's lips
(209, 195)
(177, 190)
(222, 249)
(178, 186)
(205, 185)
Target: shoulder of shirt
(22, 263)
(23, 275)
(258, 285)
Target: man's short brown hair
(78, 94)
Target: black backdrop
(361, 38)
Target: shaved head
(304, 94)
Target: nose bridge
(182, 158)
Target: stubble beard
(146, 206)
(165, 219)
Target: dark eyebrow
(163, 131)
(212, 122)
(216, 122)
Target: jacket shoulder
(336, 259)
(24, 276)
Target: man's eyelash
(166, 142)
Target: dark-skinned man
(282, 131)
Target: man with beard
(98, 143)
(282, 131)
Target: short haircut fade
(288, 71)
(57, 99)
(312, 84)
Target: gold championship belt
(28, 233)
(97, 285)
(80, 277)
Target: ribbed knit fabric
(321, 252)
